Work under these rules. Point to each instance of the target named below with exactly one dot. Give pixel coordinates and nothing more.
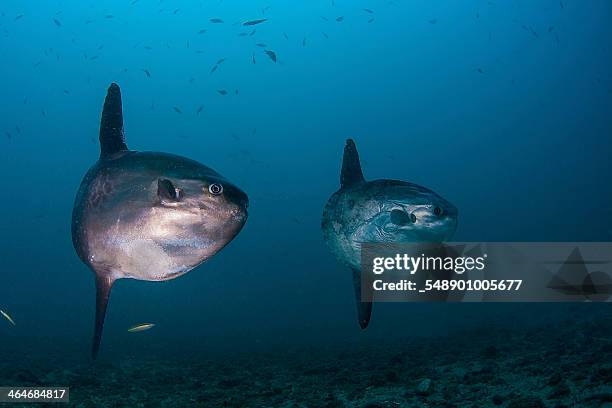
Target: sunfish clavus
(148, 215)
(380, 211)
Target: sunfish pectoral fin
(103, 289)
(351, 167)
(111, 124)
(364, 308)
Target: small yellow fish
(7, 317)
(140, 327)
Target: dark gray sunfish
(177, 110)
(271, 54)
(200, 109)
(214, 68)
(222, 92)
(216, 21)
(340, 19)
(368, 11)
(148, 215)
(202, 31)
(57, 22)
(380, 211)
(254, 22)
(146, 71)
(253, 59)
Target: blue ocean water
(502, 107)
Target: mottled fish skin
(380, 211)
(122, 227)
(362, 213)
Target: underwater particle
(325, 35)
(140, 327)
(286, 36)
(252, 32)
(222, 92)
(236, 92)
(216, 21)
(146, 71)
(109, 16)
(253, 59)
(200, 109)
(57, 22)
(254, 22)
(202, 31)
(214, 68)
(371, 20)
(433, 21)
(324, 18)
(220, 61)
(479, 70)
(19, 17)
(7, 317)
(271, 54)
(368, 11)
(340, 19)
(262, 45)
(424, 387)
(304, 42)
(177, 110)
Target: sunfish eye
(399, 217)
(215, 189)
(437, 211)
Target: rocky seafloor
(567, 364)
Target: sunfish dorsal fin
(351, 168)
(111, 124)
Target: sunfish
(147, 215)
(380, 211)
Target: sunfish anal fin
(104, 285)
(112, 139)
(351, 167)
(364, 309)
